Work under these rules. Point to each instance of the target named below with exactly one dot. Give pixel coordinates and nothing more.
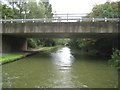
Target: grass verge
(8, 58)
(48, 49)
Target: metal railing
(60, 18)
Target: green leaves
(18, 10)
(35, 10)
(109, 9)
(35, 42)
(115, 61)
(6, 11)
(82, 43)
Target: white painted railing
(58, 20)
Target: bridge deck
(60, 29)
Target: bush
(31, 43)
(115, 58)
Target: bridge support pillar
(13, 44)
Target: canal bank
(11, 57)
(60, 68)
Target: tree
(21, 8)
(109, 9)
(34, 10)
(48, 9)
(6, 11)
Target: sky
(72, 6)
(75, 6)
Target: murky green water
(61, 68)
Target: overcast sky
(72, 6)
(75, 6)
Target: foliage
(35, 10)
(99, 46)
(20, 10)
(35, 42)
(105, 45)
(6, 11)
(49, 42)
(62, 41)
(31, 43)
(109, 9)
(82, 43)
(48, 49)
(115, 58)
(48, 9)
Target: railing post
(105, 19)
(24, 17)
(67, 17)
(93, 19)
(81, 19)
(5, 18)
(22, 20)
(11, 21)
(33, 20)
(1, 21)
(117, 19)
(45, 19)
(56, 19)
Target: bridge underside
(18, 42)
(64, 35)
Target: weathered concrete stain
(61, 27)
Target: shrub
(115, 58)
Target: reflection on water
(60, 69)
(63, 57)
(63, 60)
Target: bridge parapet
(60, 27)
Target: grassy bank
(15, 57)
(48, 49)
(9, 58)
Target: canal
(61, 68)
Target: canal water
(61, 68)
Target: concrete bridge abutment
(13, 44)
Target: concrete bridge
(15, 34)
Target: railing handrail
(59, 19)
(69, 14)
